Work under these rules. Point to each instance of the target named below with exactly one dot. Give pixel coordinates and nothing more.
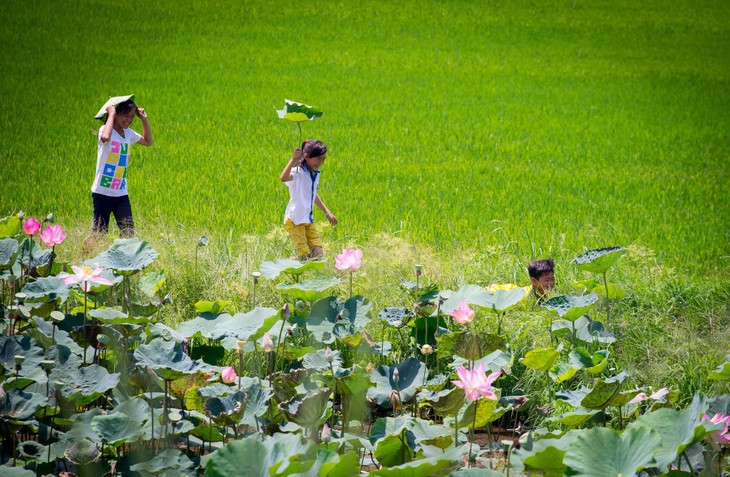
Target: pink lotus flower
(721, 436)
(228, 375)
(53, 235)
(349, 259)
(476, 383)
(31, 226)
(464, 314)
(86, 276)
(643, 396)
(267, 344)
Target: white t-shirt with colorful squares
(112, 161)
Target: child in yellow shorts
(301, 176)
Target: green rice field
(548, 127)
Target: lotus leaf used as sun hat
(102, 114)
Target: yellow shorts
(303, 236)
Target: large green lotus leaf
(167, 462)
(411, 377)
(151, 283)
(603, 392)
(227, 409)
(332, 319)
(573, 396)
(575, 418)
(249, 326)
(271, 270)
(19, 405)
(580, 358)
(257, 399)
(117, 428)
(430, 434)
(428, 467)
(207, 433)
(167, 359)
(564, 370)
(309, 290)
(472, 294)
(586, 330)
(502, 300)
(544, 455)
(722, 373)
(541, 359)
(310, 410)
(385, 426)
(330, 464)
(424, 329)
(40, 259)
(81, 426)
(598, 260)
(317, 361)
(492, 362)
(446, 402)
(46, 289)
(678, 430)
(214, 307)
(468, 345)
(112, 316)
(203, 325)
(10, 226)
(125, 256)
(84, 385)
(8, 252)
(32, 381)
(601, 452)
(486, 409)
(396, 315)
(395, 449)
(571, 307)
(247, 456)
(22, 345)
(298, 112)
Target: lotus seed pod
(50, 218)
(19, 359)
(174, 416)
(299, 305)
(58, 385)
(426, 349)
(57, 316)
(202, 241)
(47, 364)
(21, 297)
(256, 276)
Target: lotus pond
(94, 382)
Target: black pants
(104, 206)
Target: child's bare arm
(330, 216)
(146, 139)
(106, 132)
(295, 158)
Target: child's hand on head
(111, 110)
(141, 113)
(297, 154)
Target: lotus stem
(608, 300)
(473, 424)
(86, 300)
(350, 283)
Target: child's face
(545, 283)
(123, 120)
(314, 163)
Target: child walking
(109, 191)
(301, 176)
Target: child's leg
(298, 236)
(123, 215)
(103, 206)
(314, 242)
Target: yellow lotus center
(87, 270)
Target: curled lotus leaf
(598, 260)
(46, 289)
(167, 359)
(10, 226)
(309, 410)
(8, 252)
(410, 377)
(151, 283)
(586, 330)
(167, 462)
(20, 405)
(298, 112)
(271, 270)
(118, 428)
(29, 450)
(541, 359)
(574, 418)
(126, 256)
(722, 373)
(82, 452)
(571, 307)
(309, 290)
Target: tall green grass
(461, 125)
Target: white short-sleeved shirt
(302, 192)
(112, 160)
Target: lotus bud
(20, 297)
(285, 312)
(19, 359)
(426, 349)
(326, 434)
(396, 375)
(228, 375)
(419, 270)
(183, 345)
(47, 364)
(329, 355)
(202, 241)
(12, 280)
(57, 316)
(21, 215)
(416, 307)
(256, 276)
(267, 344)
(394, 398)
(50, 218)
(299, 305)
(2, 393)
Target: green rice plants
(599, 260)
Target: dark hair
(126, 106)
(314, 148)
(536, 268)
